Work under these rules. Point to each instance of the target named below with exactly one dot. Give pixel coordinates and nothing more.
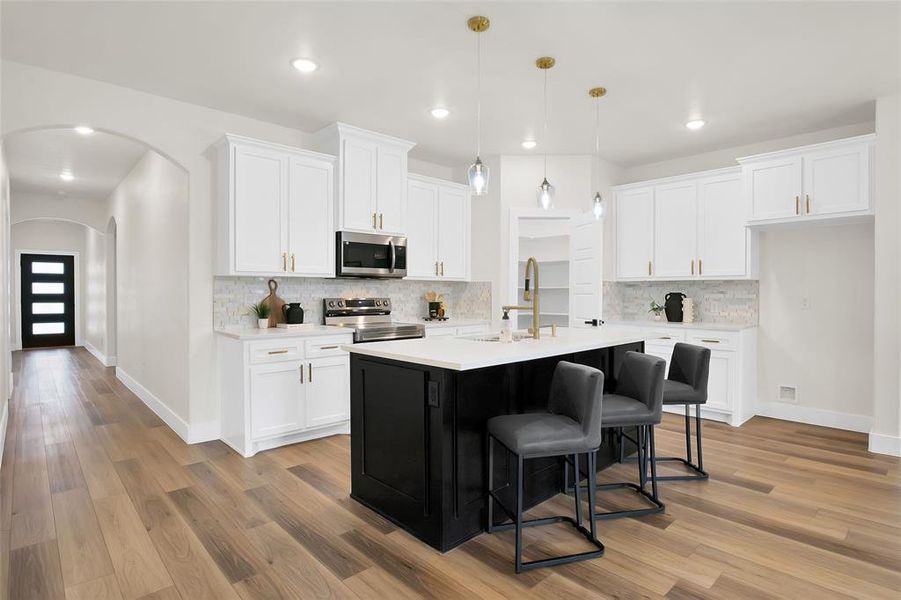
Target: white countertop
(454, 323)
(461, 354)
(696, 325)
(247, 333)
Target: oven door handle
(393, 256)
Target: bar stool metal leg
(698, 469)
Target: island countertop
(467, 353)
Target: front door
(48, 300)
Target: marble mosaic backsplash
(233, 295)
(735, 302)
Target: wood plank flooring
(100, 499)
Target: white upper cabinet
(676, 229)
(635, 233)
(438, 219)
(723, 239)
(813, 183)
(372, 178)
(275, 210)
(693, 226)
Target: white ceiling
(99, 162)
(754, 71)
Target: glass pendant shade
(478, 178)
(546, 195)
(597, 206)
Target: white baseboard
(176, 423)
(204, 432)
(885, 444)
(815, 416)
(104, 360)
(4, 421)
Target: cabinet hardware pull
(442, 268)
(700, 267)
(797, 205)
(327, 347)
(301, 373)
(277, 352)
(665, 337)
(436, 267)
(284, 261)
(374, 225)
(381, 221)
(807, 202)
(692, 266)
(649, 268)
(293, 262)
(711, 341)
(311, 371)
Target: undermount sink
(494, 337)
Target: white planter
(263, 323)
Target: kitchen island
(418, 414)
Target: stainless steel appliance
(370, 317)
(370, 255)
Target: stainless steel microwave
(370, 255)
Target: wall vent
(788, 394)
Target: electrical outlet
(805, 303)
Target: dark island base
(418, 439)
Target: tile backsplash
(735, 302)
(233, 295)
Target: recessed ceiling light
(66, 176)
(696, 124)
(304, 65)
(529, 144)
(439, 112)
(84, 130)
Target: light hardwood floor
(99, 499)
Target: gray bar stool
(637, 402)
(572, 426)
(687, 384)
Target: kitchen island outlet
(418, 415)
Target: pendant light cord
(478, 94)
(597, 139)
(545, 123)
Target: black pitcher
(672, 305)
(294, 313)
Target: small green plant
(260, 309)
(656, 309)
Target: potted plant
(261, 310)
(656, 310)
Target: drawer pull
(311, 371)
(277, 352)
(327, 347)
(665, 337)
(711, 341)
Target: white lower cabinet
(283, 390)
(732, 382)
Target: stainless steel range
(371, 318)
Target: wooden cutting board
(276, 312)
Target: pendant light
(478, 172)
(545, 191)
(597, 203)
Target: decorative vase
(263, 323)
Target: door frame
(17, 340)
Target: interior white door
(676, 229)
(836, 180)
(774, 188)
(722, 236)
(721, 380)
(260, 220)
(276, 399)
(311, 236)
(634, 233)
(358, 202)
(392, 189)
(422, 236)
(328, 391)
(585, 268)
(452, 233)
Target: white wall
(150, 209)
(831, 265)
(6, 381)
(886, 434)
(88, 211)
(94, 293)
(826, 350)
(52, 236)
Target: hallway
(100, 499)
